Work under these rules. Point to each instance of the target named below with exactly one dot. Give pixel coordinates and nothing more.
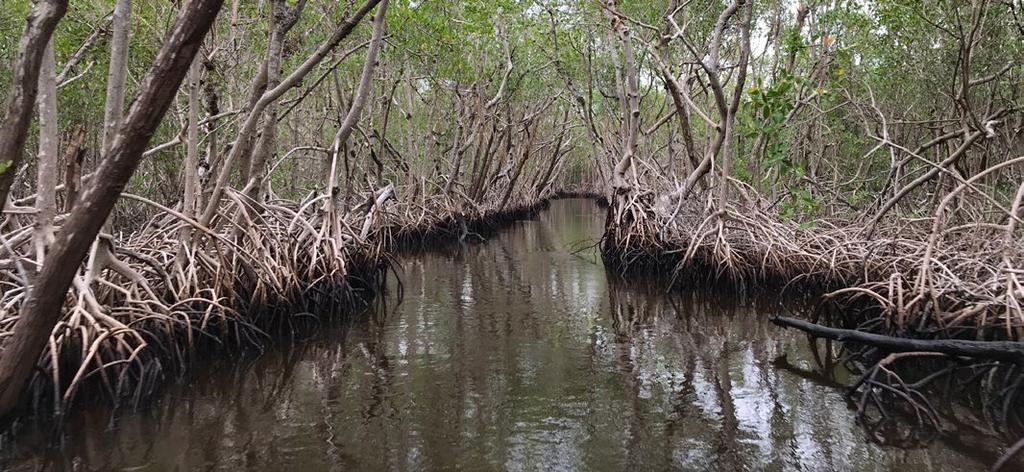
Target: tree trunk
(24, 86)
(283, 19)
(73, 157)
(730, 119)
(629, 95)
(190, 182)
(711, 68)
(113, 112)
(514, 178)
(248, 127)
(43, 306)
(362, 93)
(46, 201)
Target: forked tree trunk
(43, 306)
(282, 20)
(712, 68)
(21, 98)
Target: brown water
(517, 354)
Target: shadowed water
(517, 354)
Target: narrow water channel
(516, 354)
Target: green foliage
(770, 106)
(901, 51)
(801, 202)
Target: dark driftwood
(1000, 350)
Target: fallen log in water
(881, 378)
(1010, 351)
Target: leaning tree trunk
(363, 91)
(349, 123)
(43, 306)
(24, 87)
(361, 96)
